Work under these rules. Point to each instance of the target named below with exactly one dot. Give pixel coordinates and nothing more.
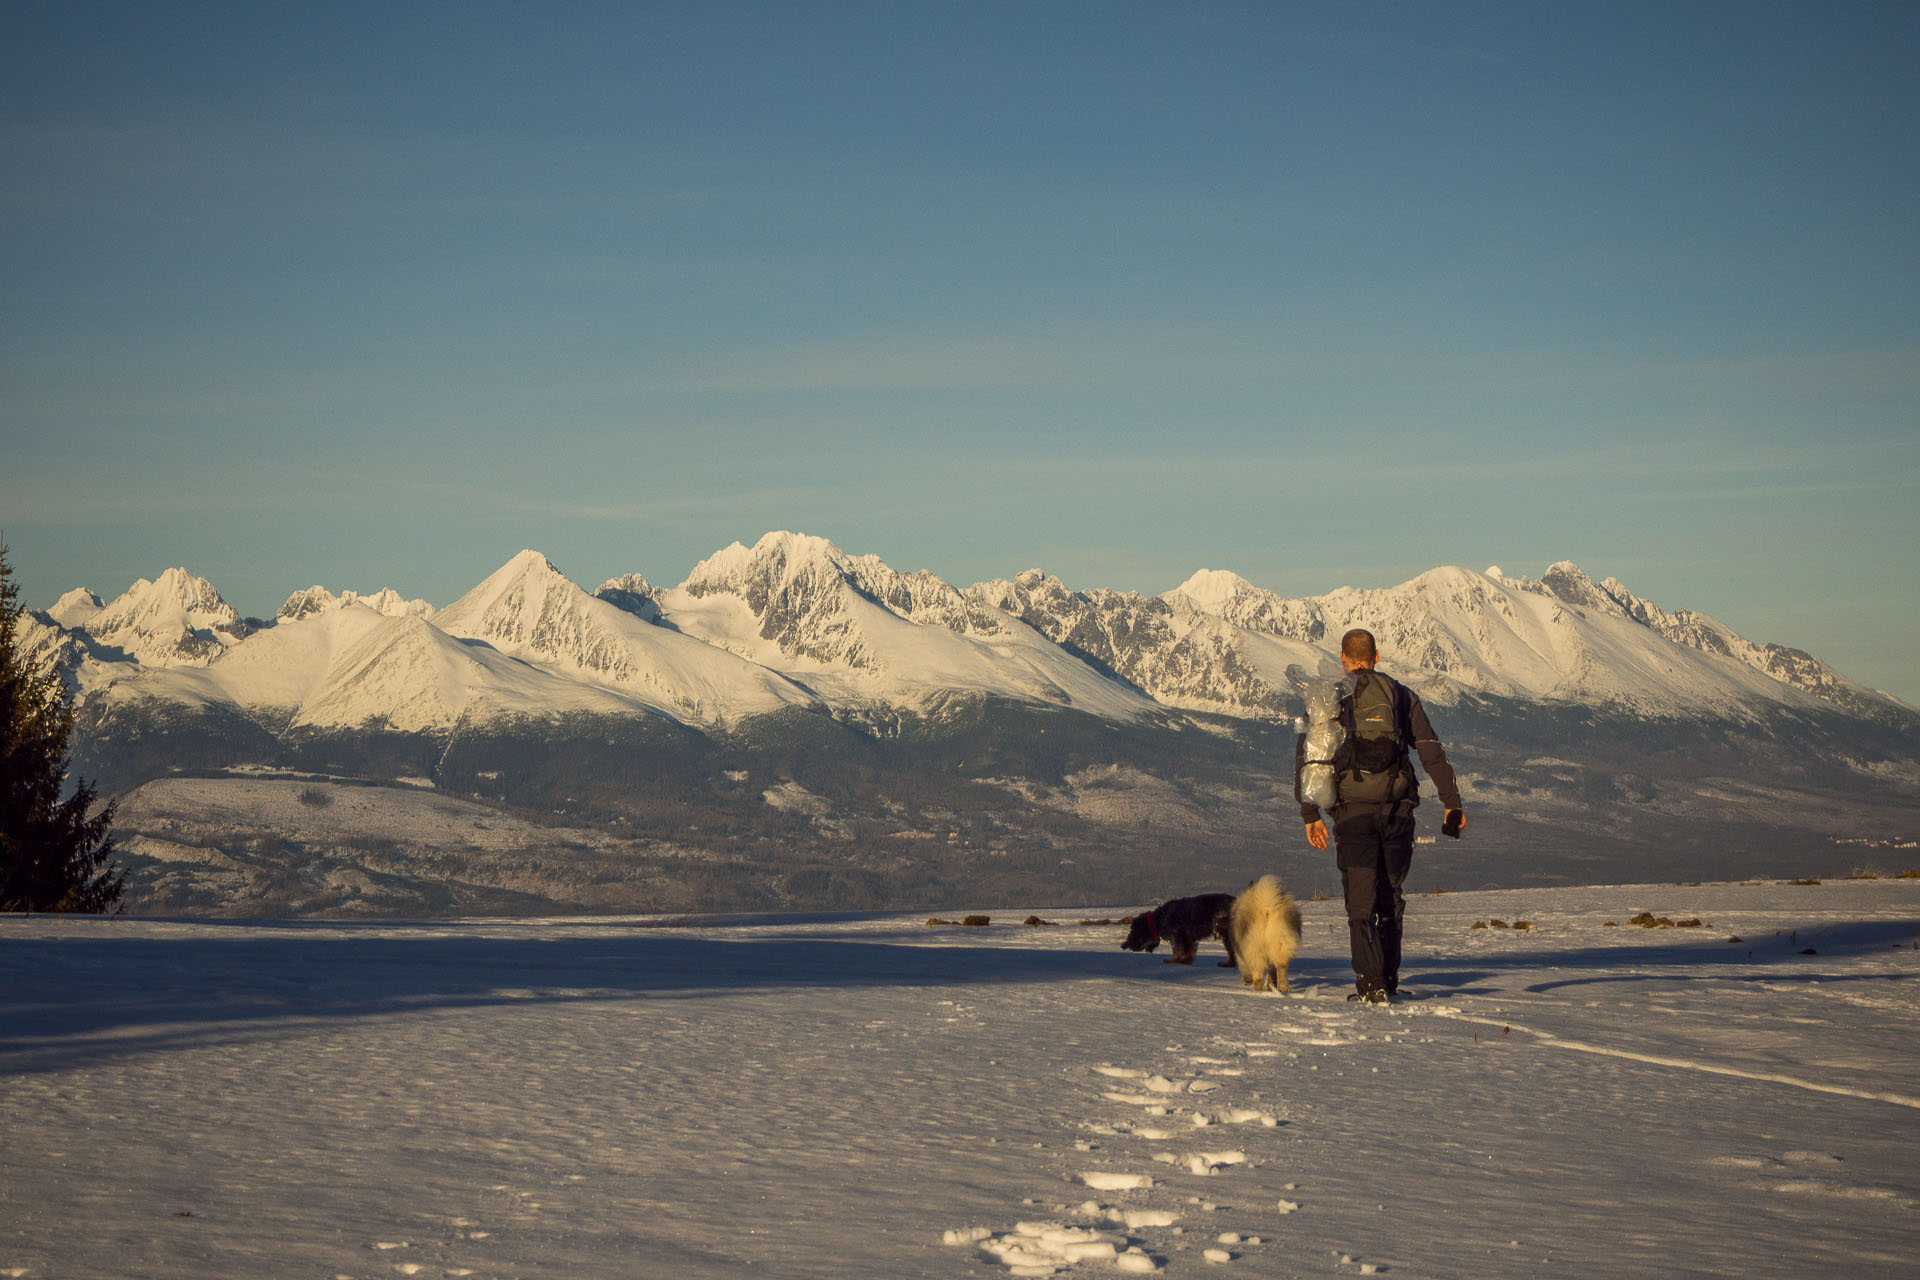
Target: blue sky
(1325, 294)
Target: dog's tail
(1265, 898)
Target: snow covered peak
(47, 647)
(1215, 593)
(512, 598)
(1211, 590)
(531, 610)
(1569, 582)
(176, 620)
(631, 593)
(304, 604)
(870, 636)
(317, 599)
(528, 575)
(406, 673)
(392, 604)
(530, 561)
(805, 594)
(76, 608)
(1179, 655)
(1030, 593)
(776, 564)
(528, 604)
(178, 589)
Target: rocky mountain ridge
(794, 621)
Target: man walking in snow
(1376, 793)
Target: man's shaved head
(1357, 646)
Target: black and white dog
(1183, 923)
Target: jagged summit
(781, 556)
(317, 599)
(1211, 590)
(1569, 582)
(76, 608)
(632, 593)
(528, 608)
(869, 636)
(175, 619)
(812, 601)
(511, 599)
(1176, 654)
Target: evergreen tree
(53, 857)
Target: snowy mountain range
(795, 622)
(794, 726)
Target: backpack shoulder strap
(1402, 708)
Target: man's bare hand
(1317, 834)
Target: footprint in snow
(1107, 1180)
(1145, 1131)
(1203, 1163)
(1216, 1066)
(1161, 1084)
(1158, 1104)
(1810, 1173)
(1159, 1090)
(1235, 1115)
(1131, 1219)
(1045, 1248)
(1042, 1248)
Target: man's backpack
(1373, 767)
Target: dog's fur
(1264, 924)
(1184, 922)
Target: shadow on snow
(1800, 956)
(70, 1000)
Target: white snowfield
(1566, 1092)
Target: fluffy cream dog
(1266, 933)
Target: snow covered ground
(875, 1097)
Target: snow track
(1684, 1064)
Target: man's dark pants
(1375, 850)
